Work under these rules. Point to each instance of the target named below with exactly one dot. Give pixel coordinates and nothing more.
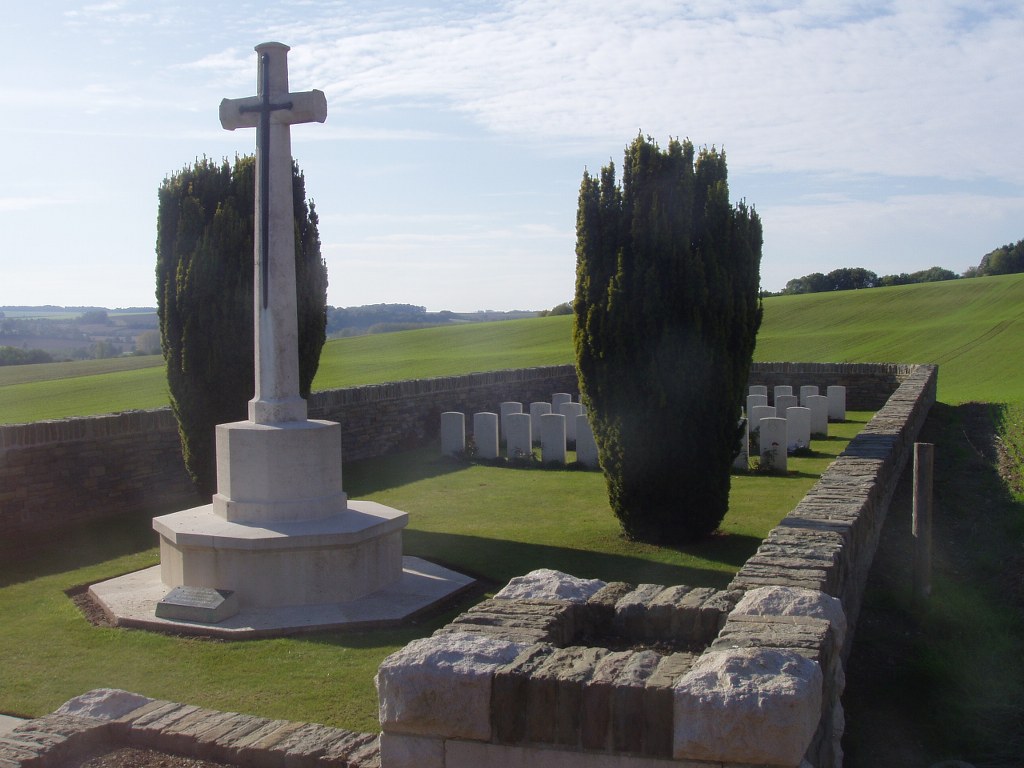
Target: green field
(973, 329)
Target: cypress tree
(666, 312)
(204, 276)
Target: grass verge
(492, 522)
(945, 680)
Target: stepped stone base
(333, 559)
(131, 600)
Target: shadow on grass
(369, 476)
(496, 561)
(78, 546)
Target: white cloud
(808, 86)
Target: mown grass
(972, 329)
(491, 522)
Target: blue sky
(885, 135)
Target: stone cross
(271, 112)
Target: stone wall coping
(106, 719)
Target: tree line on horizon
(1005, 260)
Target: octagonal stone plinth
(328, 560)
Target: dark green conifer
(666, 314)
(204, 276)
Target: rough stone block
(596, 706)
(656, 739)
(569, 669)
(401, 750)
(796, 603)
(747, 705)
(631, 611)
(509, 693)
(103, 703)
(441, 685)
(628, 701)
(598, 614)
(660, 613)
(686, 619)
(547, 584)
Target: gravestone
(586, 446)
(485, 434)
(570, 410)
(557, 399)
(552, 438)
(781, 390)
(819, 414)
(537, 409)
(798, 428)
(806, 391)
(773, 443)
(758, 389)
(836, 395)
(505, 409)
(754, 416)
(753, 401)
(782, 402)
(519, 440)
(757, 413)
(453, 433)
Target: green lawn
(973, 329)
(491, 522)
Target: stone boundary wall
(72, 471)
(107, 719)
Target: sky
(884, 135)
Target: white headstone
(485, 434)
(519, 438)
(505, 409)
(552, 438)
(754, 416)
(757, 413)
(819, 414)
(753, 401)
(806, 391)
(453, 433)
(537, 410)
(836, 395)
(570, 410)
(782, 402)
(557, 399)
(798, 428)
(271, 112)
(758, 389)
(781, 390)
(586, 446)
(773, 444)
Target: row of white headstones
(555, 425)
(778, 430)
(788, 425)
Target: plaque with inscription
(200, 604)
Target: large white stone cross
(271, 112)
